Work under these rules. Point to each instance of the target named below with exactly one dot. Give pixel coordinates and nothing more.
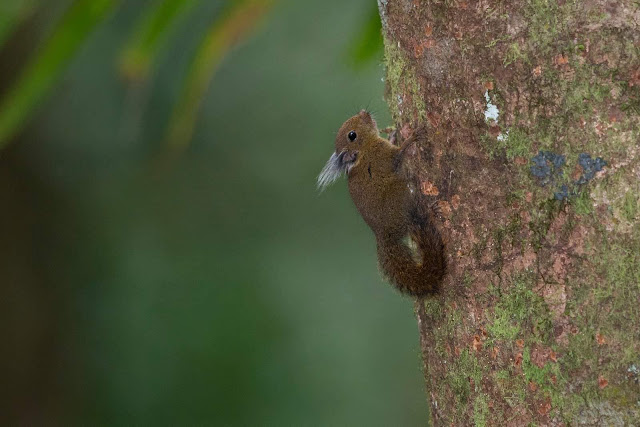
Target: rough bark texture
(533, 111)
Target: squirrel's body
(410, 250)
(373, 184)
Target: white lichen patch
(503, 136)
(491, 113)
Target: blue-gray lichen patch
(547, 168)
(563, 193)
(589, 167)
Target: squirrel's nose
(349, 156)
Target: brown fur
(394, 214)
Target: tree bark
(533, 111)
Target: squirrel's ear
(330, 172)
(367, 117)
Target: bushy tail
(417, 271)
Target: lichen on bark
(533, 111)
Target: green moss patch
(404, 96)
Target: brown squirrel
(410, 249)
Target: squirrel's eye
(352, 136)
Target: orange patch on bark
(561, 59)
(477, 343)
(520, 161)
(602, 382)
(429, 188)
(495, 351)
(484, 332)
(445, 208)
(537, 71)
(544, 407)
(455, 202)
(518, 360)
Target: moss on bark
(533, 110)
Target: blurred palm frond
(238, 22)
(152, 30)
(42, 70)
(12, 13)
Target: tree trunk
(532, 107)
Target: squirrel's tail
(416, 268)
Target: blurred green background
(165, 255)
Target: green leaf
(238, 21)
(141, 50)
(43, 70)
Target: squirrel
(410, 249)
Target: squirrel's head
(354, 136)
